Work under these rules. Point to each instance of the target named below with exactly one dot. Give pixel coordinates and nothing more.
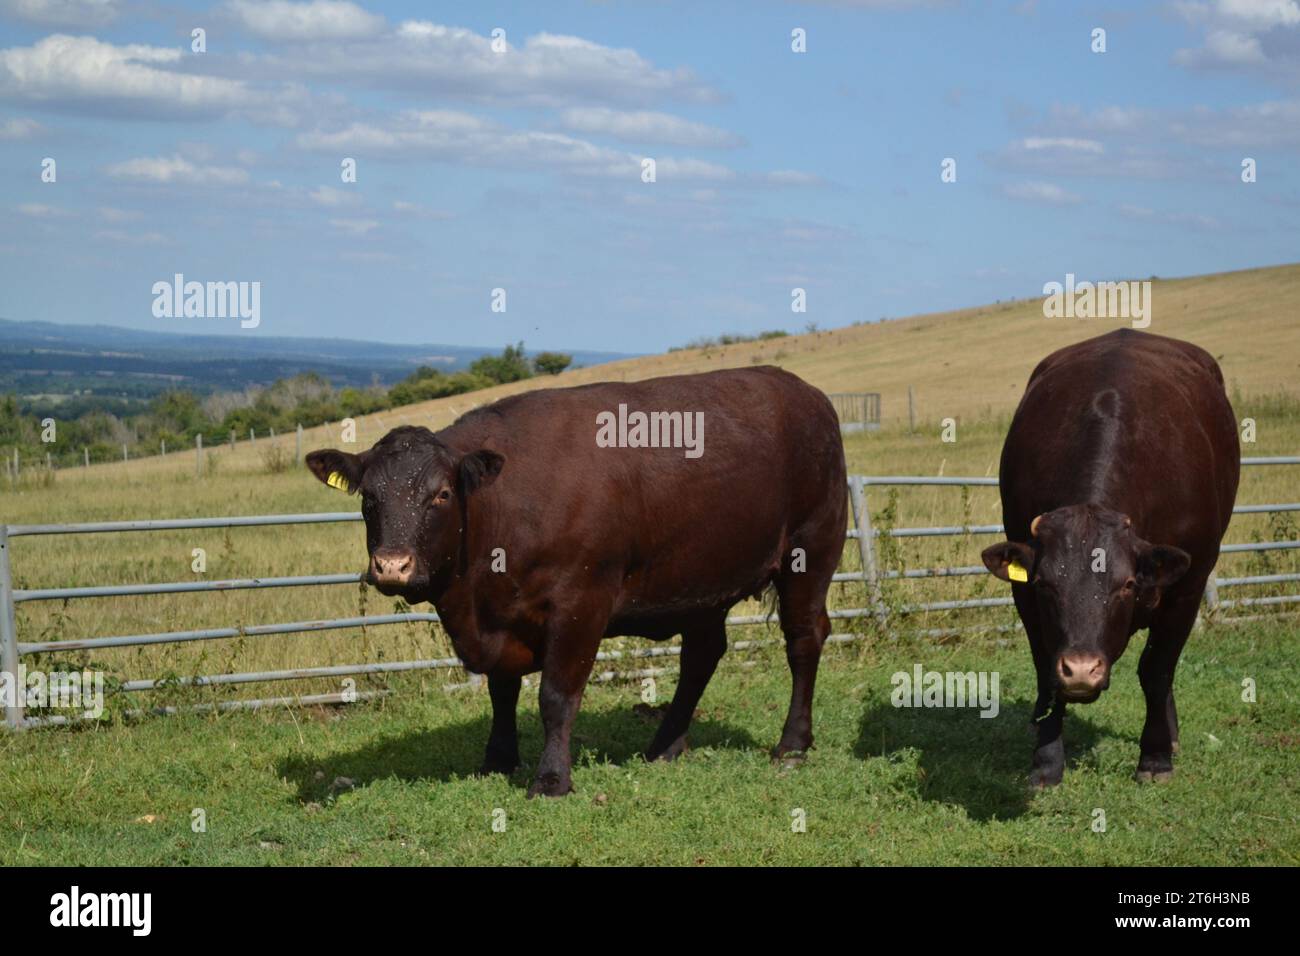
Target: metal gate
(865, 536)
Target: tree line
(175, 418)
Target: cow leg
(806, 626)
(503, 741)
(1156, 667)
(1049, 713)
(565, 670)
(702, 647)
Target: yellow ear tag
(1017, 573)
(336, 480)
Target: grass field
(884, 785)
(392, 783)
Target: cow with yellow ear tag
(1118, 478)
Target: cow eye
(443, 495)
(1130, 584)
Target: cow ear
(1160, 565)
(1009, 560)
(477, 469)
(338, 469)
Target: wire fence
(866, 538)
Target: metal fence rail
(862, 534)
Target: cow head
(1090, 573)
(413, 491)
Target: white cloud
(429, 59)
(644, 126)
(314, 20)
(791, 177)
(1223, 48)
(38, 210)
(463, 139)
(1235, 34)
(1275, 123)
(113, 214)
(1076, 156)
(333, 197)
(669, 168)
(814, 232)
(1182, 219)
(135, 78)
(177, 169)
(357, 228)
(119, 236)
(1039, 192)
(1271, 123)
(62, 13)
(20, 128)
(416, 211)
(460, 138)
(1035, 143)
(1262, 13)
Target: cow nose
(1082, 676)
(392, 565)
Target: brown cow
(1118, 479)
(545, 522)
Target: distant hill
(975, 361)
(52, 359)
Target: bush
(510, 366)
(552, 363)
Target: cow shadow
(979, 764)
(455, 750)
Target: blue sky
(522, 169)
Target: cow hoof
(491, 766)
(671, 752)
(1153, 776)
(1042, 779)
(789, 759)
(550, 785)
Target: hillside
(975, 361)
(968, 363)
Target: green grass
(882, 786)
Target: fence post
(911, 409)
(9, 637)
(164, 446)
(198, 455)
(232, 439)
(124, 458)
(298, 454)
(866, 542)
(85, 451)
